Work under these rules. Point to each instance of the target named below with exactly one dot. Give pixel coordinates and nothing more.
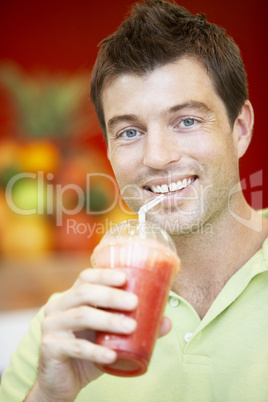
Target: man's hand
(68, 351)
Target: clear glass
(147, 255)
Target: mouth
(169, 188)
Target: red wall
(63, 35)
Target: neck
(210, 258)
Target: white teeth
(179, 185)
(172, 186)
(164, 188)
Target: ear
(243, 128)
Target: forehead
(178, 82)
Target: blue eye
(131, 133)
(188, 122)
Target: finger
(60, 348)
(93, 295)
(104, 276)
(85, 317)
(165, 327)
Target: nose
(161, 148)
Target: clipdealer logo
(255, 182)
(50, 196)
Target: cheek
(216, 149)
(123, 168)
(224, 164)
(217, 160)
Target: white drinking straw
(149, 205)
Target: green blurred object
(27, 195)
(7, 174)
(98, 200)
(47, 105)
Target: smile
(171, 187)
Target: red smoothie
(150, 267)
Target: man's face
(168, 132)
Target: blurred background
(49, 136)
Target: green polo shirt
(221, 358)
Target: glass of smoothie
(147, 255)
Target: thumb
(165, 326)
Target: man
(170, 93)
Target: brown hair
(158, 32)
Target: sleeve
(20, 376)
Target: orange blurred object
(39, 156)
(10, 152)
(4, 214)
(26, 237)
(118, 214)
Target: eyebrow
(133, 118)
(189, 105)
(118, 119)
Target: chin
(181, 224)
